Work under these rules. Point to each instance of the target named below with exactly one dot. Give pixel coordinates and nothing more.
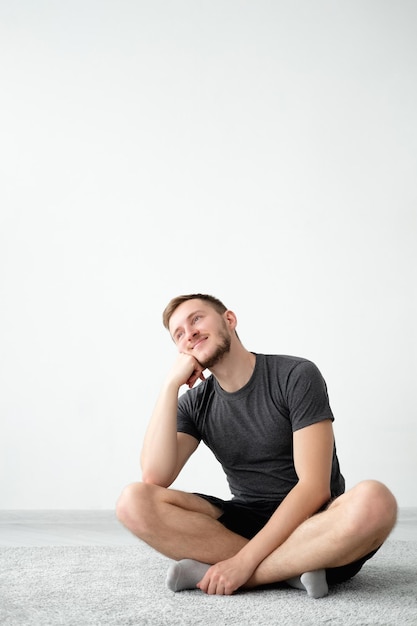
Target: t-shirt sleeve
(307, 397)
(185, 422)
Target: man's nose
(192, 332)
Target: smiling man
(268, 421)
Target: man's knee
(134, 507)
(380, 500)
(371, 509)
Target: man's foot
(185, 574)
(314, 583)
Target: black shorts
(248, 519)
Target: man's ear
(231, 319)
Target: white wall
(261, 151)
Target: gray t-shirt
(250, 431)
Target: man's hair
(175, 303)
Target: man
(268, 421)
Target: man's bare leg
(184, 526)
(177, 524)
(354, 524)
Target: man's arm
(164, 451)
(313, 452)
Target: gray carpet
(99, 585)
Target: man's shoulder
(287, 367)
(283, 360)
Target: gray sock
(185, 574)
(314, 583)
(296, 583)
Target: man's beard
(222, 349)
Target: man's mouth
(199, 342)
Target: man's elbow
(324, 496)
(153, 478)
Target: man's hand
(225, 577)
(186, 370)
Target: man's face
(197, 329)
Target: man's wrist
(248, 558)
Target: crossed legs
(184, 526)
